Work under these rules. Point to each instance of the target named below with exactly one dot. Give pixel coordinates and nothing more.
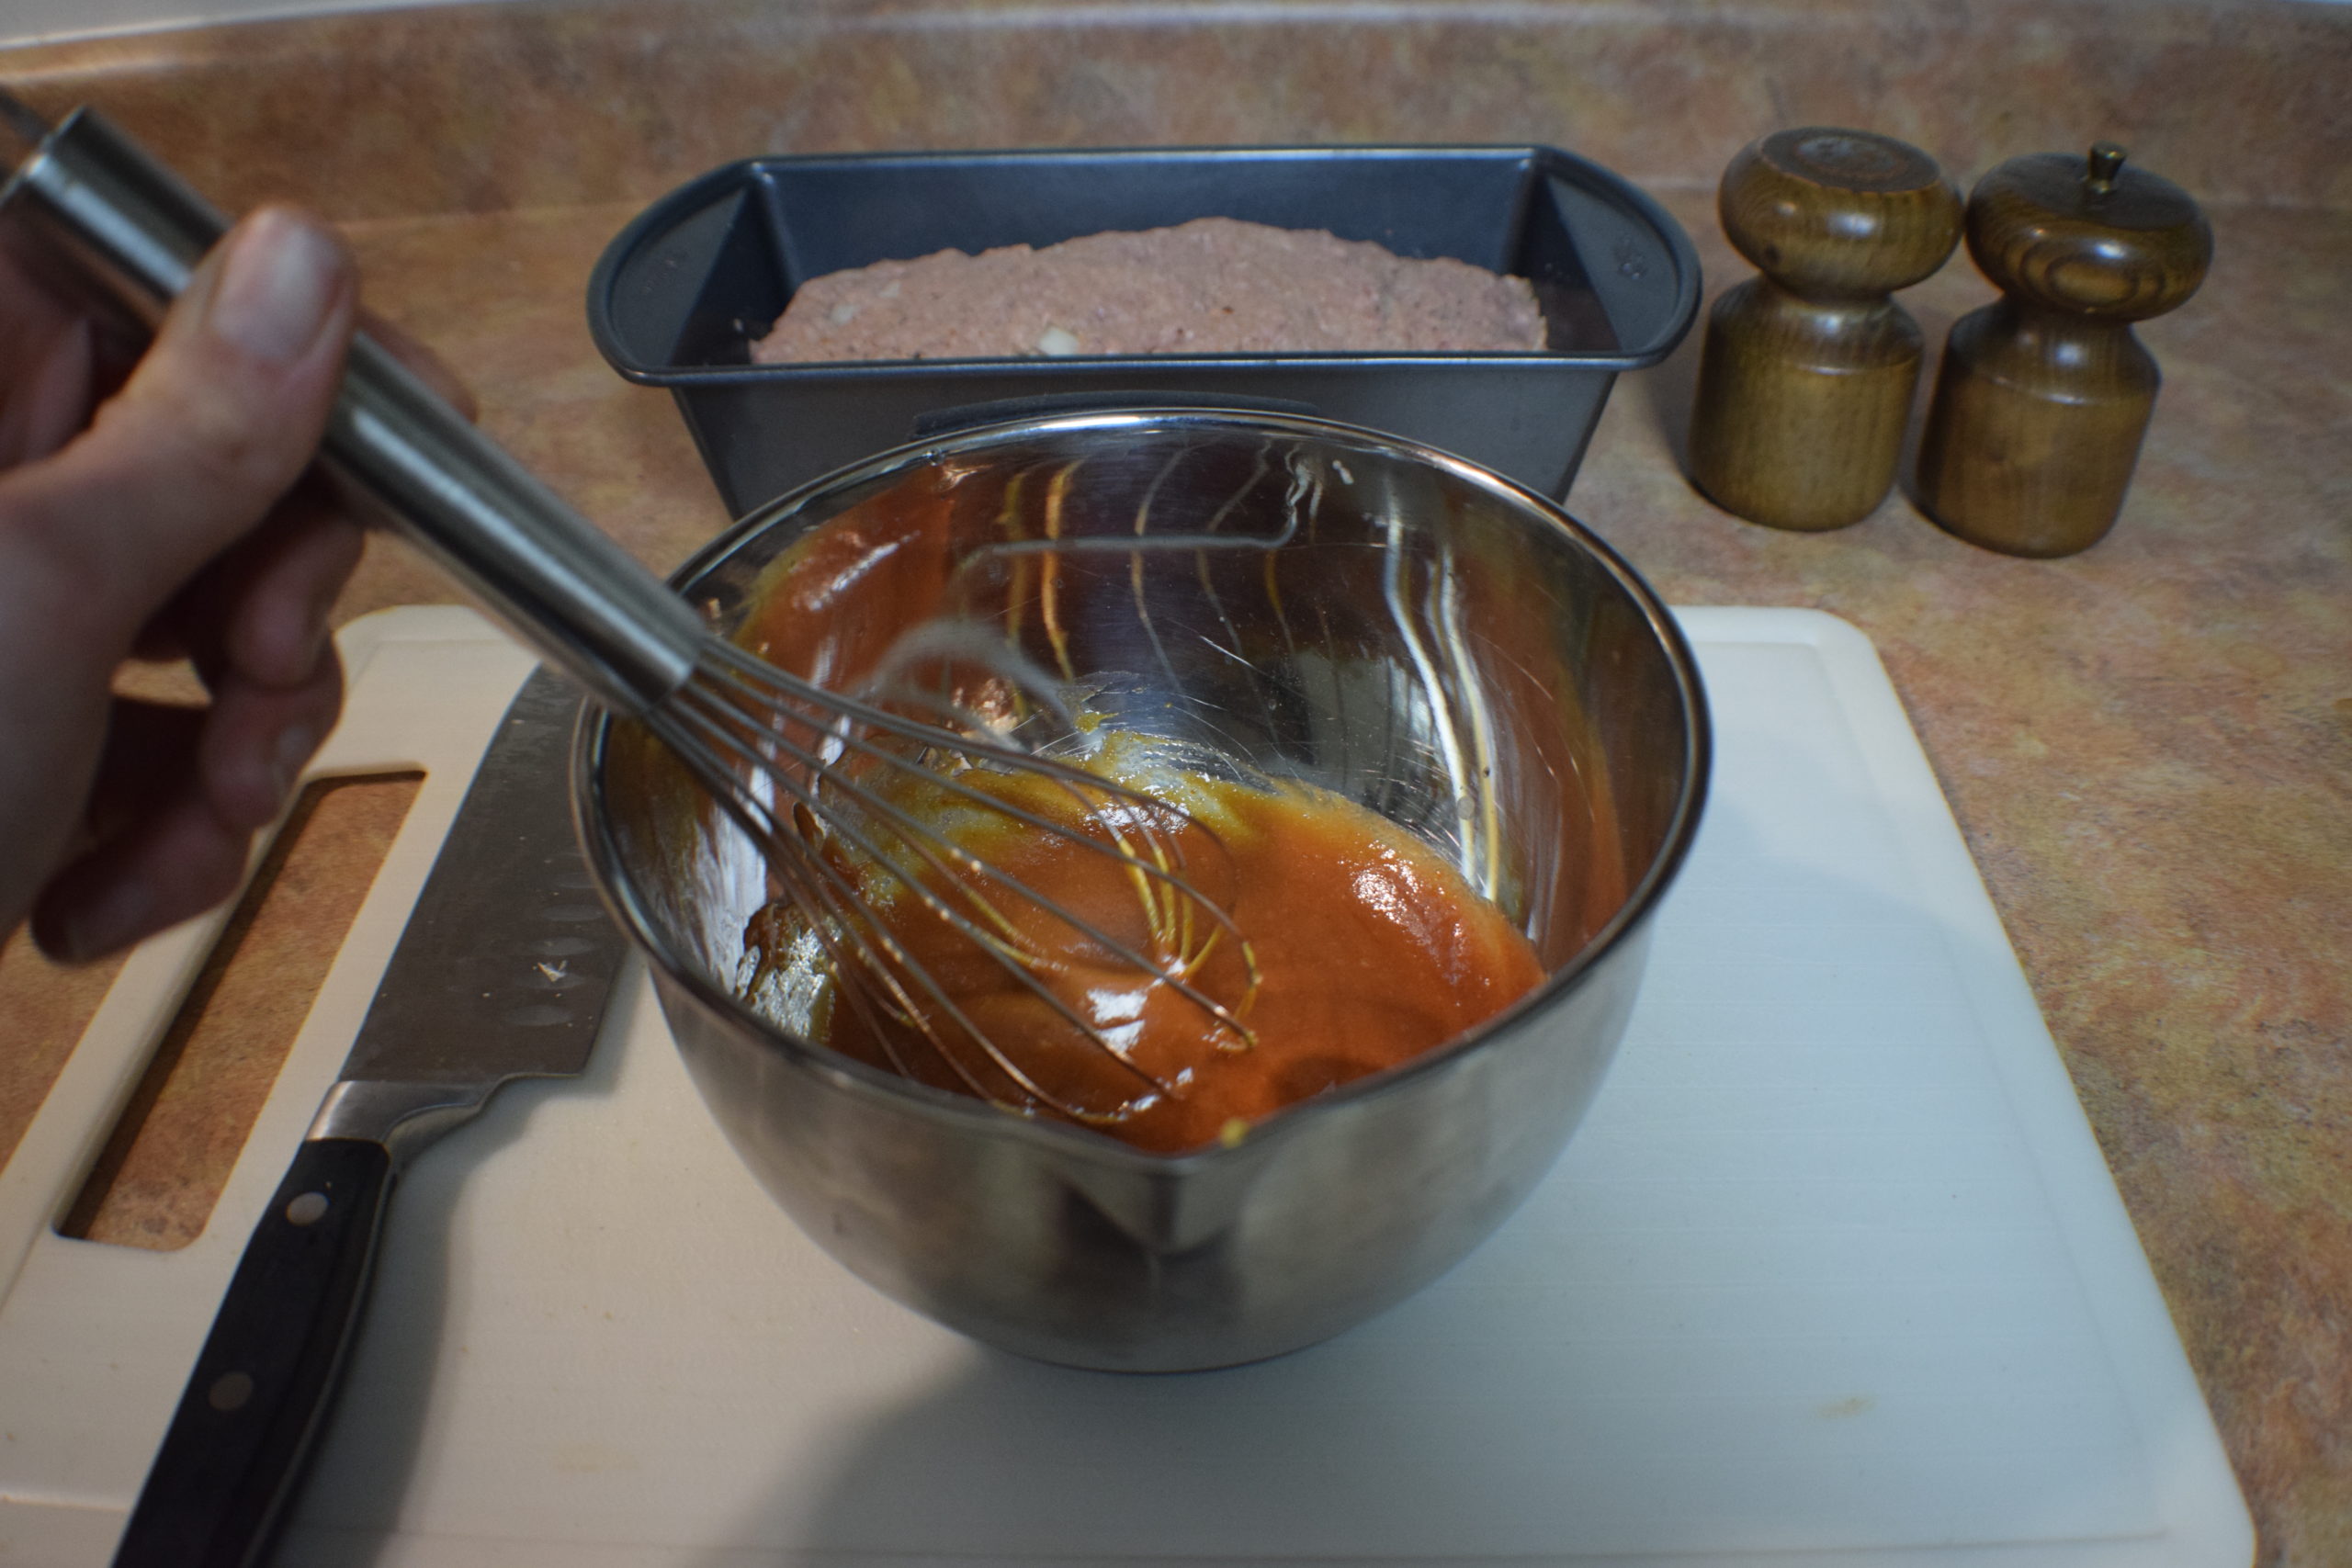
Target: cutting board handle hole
(169, 1155)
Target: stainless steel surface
(108, 227)
(553, 576)
(97, 207)
(1443, 646)
(504, 969)
(502, 972)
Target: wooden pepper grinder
(2044, 395)
(1805, 381)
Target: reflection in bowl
(1320, 605)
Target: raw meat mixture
(1213, 286)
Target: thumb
(222, 417)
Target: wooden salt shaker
(1806, 378)
(2044, 395)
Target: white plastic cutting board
(1832, 1274)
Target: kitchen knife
(502, 973)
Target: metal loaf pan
(680, 295)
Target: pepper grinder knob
(1806, 378)
(2044, 395)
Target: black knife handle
(244, 1424)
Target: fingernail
(317, 628)
(313, 646)
(278, 284)
(293, 750)
(285, 651)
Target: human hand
(175, 522)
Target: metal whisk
(896, 845)
(856, 801)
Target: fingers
(141, 810)
(258, 737)
(52, 360)
(214, 427)
(284, 585)
(144, 759)
(181, 793)
(149, 817)
(261, 609)
(176, 862)
(180, 519)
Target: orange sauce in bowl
(1353, 947)
(1348, 945)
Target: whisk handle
(128, 228)
(552, 576)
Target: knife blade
(502, 972)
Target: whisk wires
(859, 808)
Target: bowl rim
(593, 822)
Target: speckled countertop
(2149, 746)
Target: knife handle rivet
(229, 1392)
(307, 1210)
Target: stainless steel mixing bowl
(1315, 602)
